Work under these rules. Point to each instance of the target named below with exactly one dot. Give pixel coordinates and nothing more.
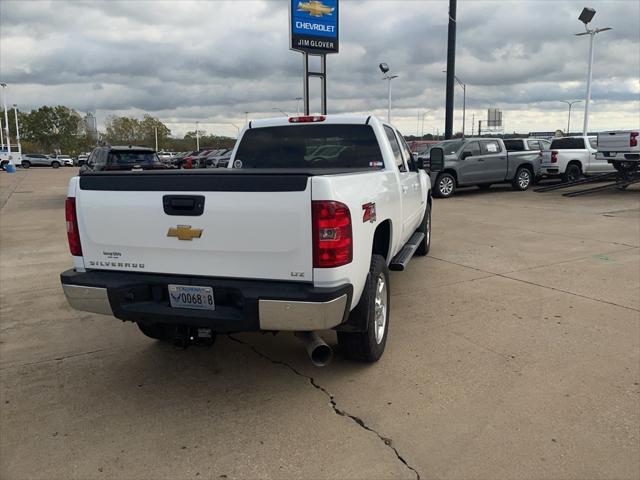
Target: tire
(425, 227)
(572, 173)
(157, 331)
(55, 164)
(373, 309)
(523, 179)
(445, 185)
(26, 164)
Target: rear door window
(352, 146)
(490, 147)
(533, 145)
(395, 146)
(568, 143)
(594, 143)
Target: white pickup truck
(572, 157)
(620, 148)
(282, 239)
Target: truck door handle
(187, 205)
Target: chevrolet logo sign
(184, 232)
(315, 8)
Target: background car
(122, 158)
(65, 160)
(39, 160)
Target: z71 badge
(369, 212)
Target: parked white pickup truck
(572, 157)
(619, 148)
(283, 239)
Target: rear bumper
(241, 305)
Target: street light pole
(569, 120)
(6, 119)
(15, 112)
(389, 78)
(585, 17)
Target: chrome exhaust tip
(319, 352)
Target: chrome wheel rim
(446, 185)
(380, 308)
(524, 179)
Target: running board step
(400, 261)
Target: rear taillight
(633, 139)
(332, 237)
(554, 156)
(307, 119)
(73, 234)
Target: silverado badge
(184, 232)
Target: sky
(212, 61)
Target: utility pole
(451, 70)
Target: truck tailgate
(251, 226)
(615, 141)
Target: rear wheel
(445, 185)
(425, 228)
(522, 180)
(374, 306)
(572, 173)
(26, 164)
(55, 164)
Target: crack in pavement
(337, 410)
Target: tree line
(63, 130)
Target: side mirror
(436, 159)
(465, 155)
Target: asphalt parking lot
(514, 352)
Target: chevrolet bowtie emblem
(315, 8)
(184, 232)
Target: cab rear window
(310, 146)
(568, 143)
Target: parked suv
(122, 158)
(39, 160)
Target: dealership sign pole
(313, 30)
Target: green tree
(53, 128)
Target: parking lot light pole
(569, 119)
(423, 115)
(197, 136)
(585, 17)
(15, 112)
(384, 68)
(6, 119)
(1, 135)
(155, 130)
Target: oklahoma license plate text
(187, 296)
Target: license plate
(187, 296)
